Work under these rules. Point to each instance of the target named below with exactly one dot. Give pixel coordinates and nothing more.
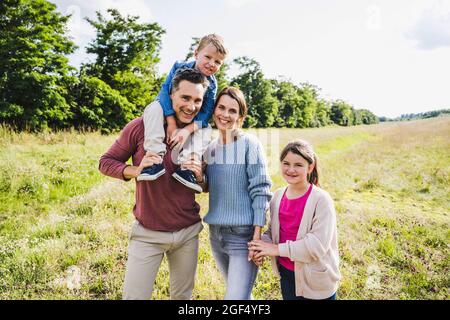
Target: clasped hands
(258, 249)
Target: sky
(391, 57)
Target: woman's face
(295, 168)
(226, 113)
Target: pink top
(291, 213)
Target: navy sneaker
(151, 173)
(187, 177)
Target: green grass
(64, 227)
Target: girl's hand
(263, 249)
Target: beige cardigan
(315, 252)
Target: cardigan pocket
(319, 280)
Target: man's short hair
(191, 75)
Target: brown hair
(191, 75)
(306, 151)
(236, 94)
(215, 40)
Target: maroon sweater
(161, 205)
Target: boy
(209, 57)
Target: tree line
(417, 116)
(39, 89)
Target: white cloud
(432, 28)
(238, 3)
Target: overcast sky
(391, 57)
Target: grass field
(64, 227)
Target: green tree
(126, 56)
(368, 117)
(357, 117)
(341, 113)
(322, 117)
(34, 69)
(98, 106)
(289, 103)
(308, 105)
(259, 93)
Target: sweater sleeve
(113, 162)
(267, 235)
(317, 241)
(259, 182)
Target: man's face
(187, 101)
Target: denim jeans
(287, 283)
(229, 247)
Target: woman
(239, 194)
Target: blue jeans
(229, 247)
(287, 283)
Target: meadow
(64, 227)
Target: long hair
(305, 150)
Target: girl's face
(226, 113)
(295, 168)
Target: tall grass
(64, 227)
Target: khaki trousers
(145, 253)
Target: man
(167, 216)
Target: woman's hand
(251, 253)
(263, 249)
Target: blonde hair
(305, 150)
(215, 40)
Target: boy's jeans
(229, 247)
(154, 135)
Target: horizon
(352, 52)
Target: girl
(239, 194)
(302, 234)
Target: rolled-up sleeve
(113, 162)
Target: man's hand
(148, 160)
(196, 167)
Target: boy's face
(208, 60)
(187, 101)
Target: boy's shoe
(187, 178)
(151, 173)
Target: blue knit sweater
(239, 184)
